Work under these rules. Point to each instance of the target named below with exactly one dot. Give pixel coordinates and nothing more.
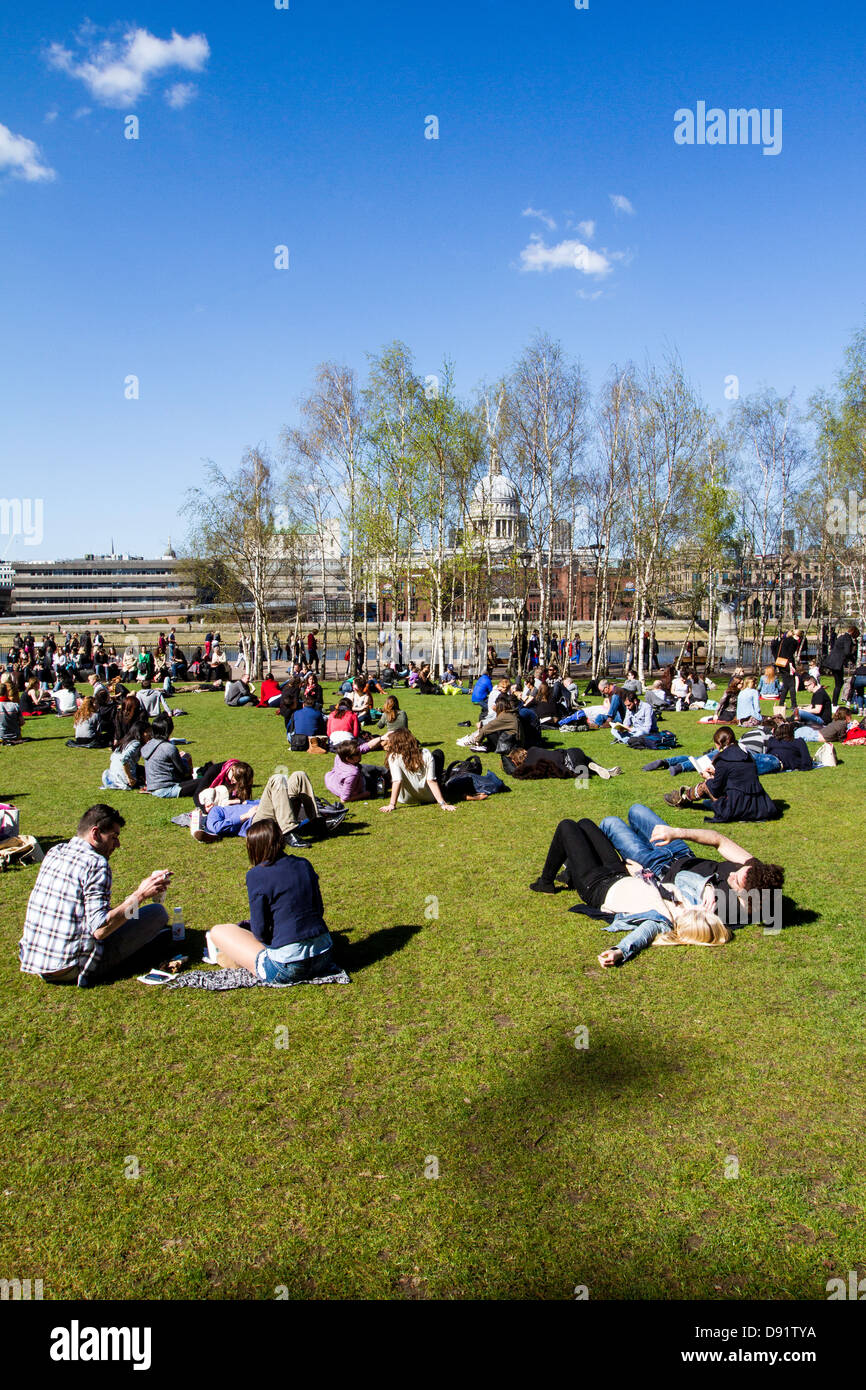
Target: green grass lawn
(305, 1166)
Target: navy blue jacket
(285, 902)
(736, 784)
(306, 721)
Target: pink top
(347, 723)
(345, 780)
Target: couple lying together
(644, 876)
(228, 808)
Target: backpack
(465, 767)
(663, 739)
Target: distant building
(94, 587)
(6, 577)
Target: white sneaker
(210, 951)
(599, 770)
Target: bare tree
(236, 537)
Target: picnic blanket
(238, 978)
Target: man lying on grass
(744, 886)
(617, 888)
(72, 934)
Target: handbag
(825, 756)
(19, 849)
(299, 742)
(9, 821)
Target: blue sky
(305, 127)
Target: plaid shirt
(69, 902)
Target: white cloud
(50, 116)
(180, 95)
(82, 112)
(542, 217)
(589, 294)
(565, 255)
(22, 159)
(620, 203)
(586, 229)
(117, 73)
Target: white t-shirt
(65, 701)
(495, 694)
(414, 786)
(632, 895)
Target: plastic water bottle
(178, 930)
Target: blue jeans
(766, 762)
(617, 709)
(633, 840)
(577, 718)
(810, 734)
(683, 763)
(287, 972)
(808, 718)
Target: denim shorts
(275, 972)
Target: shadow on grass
(48, 842)
(794, 915)
(357, 955)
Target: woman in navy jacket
(732, 790)
(288, 938)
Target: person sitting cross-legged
(72, 934)
(306, 722)
(504, 723)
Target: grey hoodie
(163, 766)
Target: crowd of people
(641, 876)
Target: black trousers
(593, 862)
(838, 682)
(787, 685)
(193, 785)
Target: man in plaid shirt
(72, 934)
